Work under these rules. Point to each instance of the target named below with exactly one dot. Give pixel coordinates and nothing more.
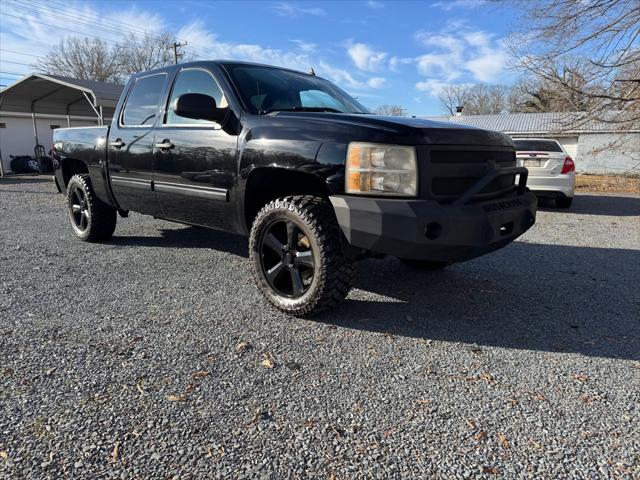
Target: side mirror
(199, 107)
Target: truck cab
(301, 167)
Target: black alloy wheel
(92, 220)
(298, 256)
(79, 208)
(287, 259)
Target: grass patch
(607, 183)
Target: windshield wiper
(301, 109)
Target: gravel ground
(153, 356)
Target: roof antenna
(312, 72)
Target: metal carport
(39, 94)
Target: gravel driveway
(153, 356)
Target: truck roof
(215, 62)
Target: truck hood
(401, 130)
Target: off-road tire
(424, 264)
(100, 218)
(564, 202)
(333, 272)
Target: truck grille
(452, 171)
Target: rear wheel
(423, 264)
(298, 260)
(92, 220)
(564, 202)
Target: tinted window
(142, 102)
(266, 89)
(194, 81)
(537, 146)
(317, 98)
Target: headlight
(375, 169)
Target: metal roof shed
(53, 94)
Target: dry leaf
(176, 398)
(503, 440)
(389, 432)
(471, 423)
(536, 445)
(259, 415)
(243, 347)
(200, 374)
(423, 402)
(581, 378)
(49, 371)
(487, 377)
(480, 435)
(539, 396)
(140, 389)
(488, 469)
(4, 455)
(588, 398)
(267, 360)
(115, 452)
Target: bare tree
(587, 52)
(82, 58)
(96, 60)
(138, 54)
(390, 110)
(476, 99)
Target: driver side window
(193, 81)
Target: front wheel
(299, 264)
(92, 220)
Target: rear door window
(537, 146)
(143, 100)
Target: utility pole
(176, 48)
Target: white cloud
(459, 52)
(449, 5)
(432, 86)
(375, 4)
(365, 57)
(305, 46)
(395, 62)
(376, 82)
(285, 9)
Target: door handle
(117, 143)
(165, 145)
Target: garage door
(570, 145)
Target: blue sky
(381, 51)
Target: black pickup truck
(289, 159)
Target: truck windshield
(268, 89)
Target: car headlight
(376, 169)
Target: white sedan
(551, 169)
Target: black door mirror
(199, 107)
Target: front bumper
(428, 230)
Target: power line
(14, 74)
(87, 22)
(17, 63)
(20, 53)
(105, 24)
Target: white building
(596, 147)
(34, 106)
